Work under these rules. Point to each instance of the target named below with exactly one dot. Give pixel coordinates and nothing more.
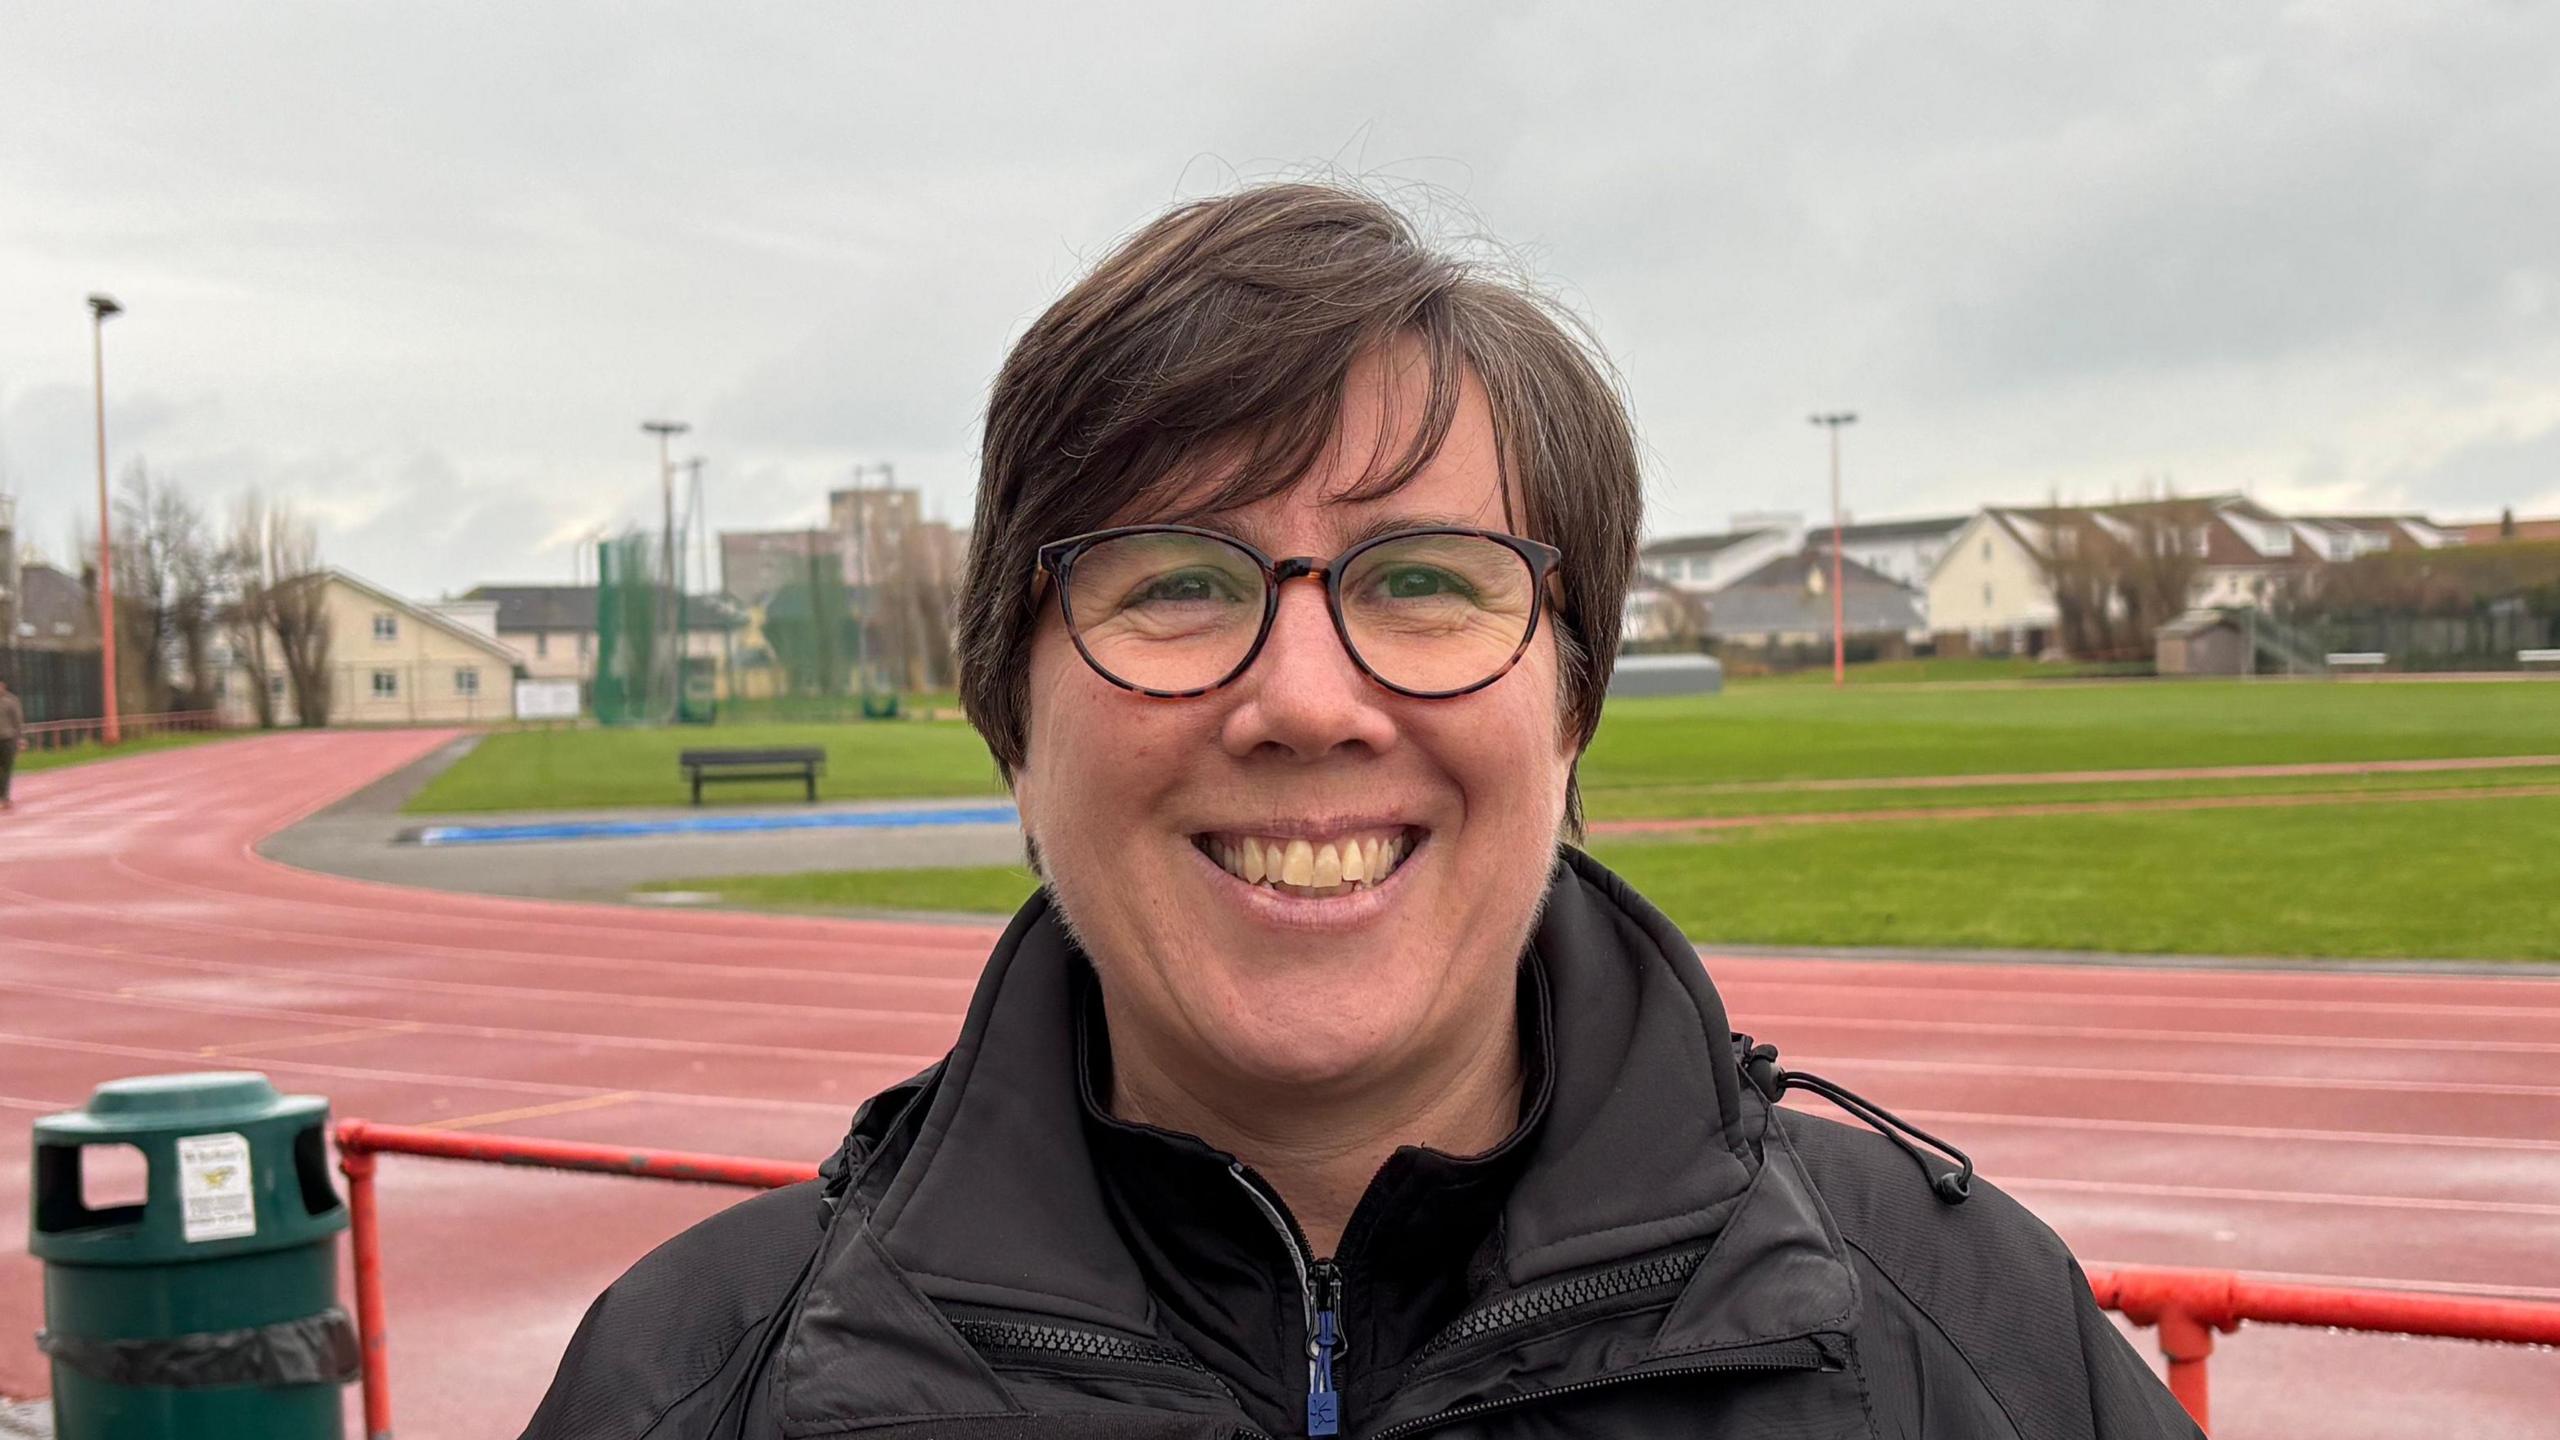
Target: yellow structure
(392, 661)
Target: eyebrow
(1375, 526)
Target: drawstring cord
(1760, 1066)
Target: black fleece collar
(1647, 1145)
(1419, 1247)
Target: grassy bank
(2459, 879)
(1652, 756)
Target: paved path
(361, 837)
(2372, 1129)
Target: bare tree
(165, 568)
(297, 605)
(245, 583)
(271, 597)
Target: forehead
(1333, 504)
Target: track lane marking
(293, 1042)
(130, 995)
(835, 1110)
(474, 987)
(531, 1112)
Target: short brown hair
(1221, 336)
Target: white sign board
(215, 1199)
(546, 699)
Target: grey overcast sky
(422, 269)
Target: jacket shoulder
(658, 1338)
(1984, 1286)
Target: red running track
(2363, 1129)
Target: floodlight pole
(1839, 601)
(668, 607)
(111, 730)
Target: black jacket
(1666, 1253)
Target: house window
(275, 687)
(1986, 593)
(386, 684)
(541, 643)
(466, 681)
(386, 626)
(583, 638)
(1986, 547)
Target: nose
(1304, 698)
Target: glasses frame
(1057, 559)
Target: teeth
(1328, 867)
(1303, 864)
(1298, 864)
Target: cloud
(425, 271)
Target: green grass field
(1652, 755)
(593, 768)
(2452, 878)
(2467, 879)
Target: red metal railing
(59, 734)
(2186, 1306)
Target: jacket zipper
(1570, 1295)
(1788, 1355)
(1090, 1345)
(1320, 1301)
(1085, 1344)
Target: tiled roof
(523, 608)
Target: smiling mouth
(1313, 869)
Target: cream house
(1989, 587)
(392, 661)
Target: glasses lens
(1434, 613)
(1165, 611)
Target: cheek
(1090, 748)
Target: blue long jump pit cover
(715, 825)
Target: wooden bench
(2538, 657)
(2357, 659)
(801, 763)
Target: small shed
(2204, 642)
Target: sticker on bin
(214, 1195)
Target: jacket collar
(1649, 1144)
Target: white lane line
(386, 1028)
(1732, 986)
(835, 1108)
(2133, 1034)
(2280, 1133)
(2242, 1194)
(844, 973)
(508, 992)
(2179, 1077)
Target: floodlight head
(665, 427)
(103, 306)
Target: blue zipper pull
(1324, 1403)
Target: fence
(2187, 1307)
(52, 684)
(2488, 639)
(62, 734)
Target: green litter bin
(210, 1309)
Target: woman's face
(1133, 801)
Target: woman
(1325, 1089)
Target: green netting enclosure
(642, 675)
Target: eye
(1421, 582)
(1184, 587)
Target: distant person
(1326, 1087)
(13, 738)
